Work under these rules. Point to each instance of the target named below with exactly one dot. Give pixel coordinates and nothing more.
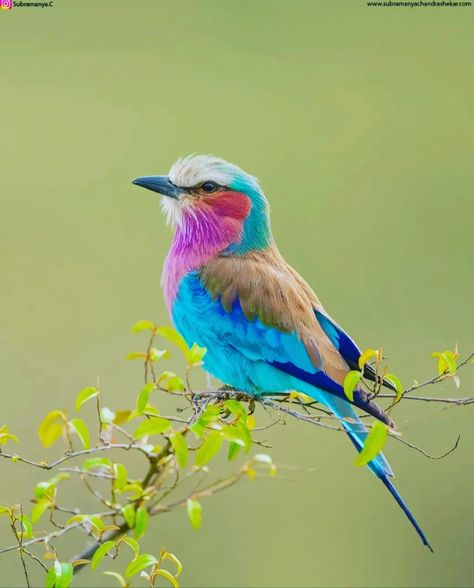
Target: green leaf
(101, 552)
(43, 487)
(143, 326)
(194, 510)
(39, 509)
(96, 462)
(141, 521)
(93, 521)
(209, 448)
(27, 526)
(59, 575)
(128, 513)
(374, 443)
(50, 578)
(392, 378)
(140, 563)
(120, 579)
(197, 429)
(238, 433)
(64, 575)
(144, 396)
(5, 510)
(195, 355)
(153, 426)
(173, 336)
(82, 432)
(235, 407)
(233, 450)
(350, 382)
(121, 476)
(52, 427)
(85, 395)
(180, 449)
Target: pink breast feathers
(207, 228)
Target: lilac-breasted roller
(228, 288)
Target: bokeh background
(358, 122)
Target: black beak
(160, 184)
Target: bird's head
(213, 201)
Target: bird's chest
(194, 312)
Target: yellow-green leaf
(140, 563)
(39, 509)
(141, 521)
(156, 354)
(5, 436)
(120, 579)
(136, 355)
(171, 382)
(101, 552)
(168, 576)
(85, 395)
(52, 427)
(195, 355)
(153, 426)
(27, 526)
(350, 382)
(180, 449)
(392, 378)
(144, 396)
(5, 510)
(194, 510)
(368, 354)
(132, 544)
(121, 476)
(235, 407)
(209, 448)
(143, 326)
(171, 557)
(446, 362)
(238, 433)
(80, 428)
(96, 462)
(128, 513)
(373, 444)
(173, 336)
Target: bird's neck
(197, 240)
(231, 227)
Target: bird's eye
(209, 187)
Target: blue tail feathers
(391, 488)
(357, 433)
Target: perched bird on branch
(228, 288)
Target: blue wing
(347, 348)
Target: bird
(229, 289)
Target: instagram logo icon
(6, 4)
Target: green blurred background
(358, 122)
